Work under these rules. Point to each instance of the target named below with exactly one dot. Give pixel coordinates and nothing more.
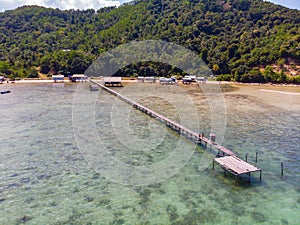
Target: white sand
(285, 97)
(281, 92)
(35, 81)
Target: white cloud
(96, 4)
(293, 4)
(61, 4)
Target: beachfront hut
(141, 79)
(57, 78)
(1, 79)
(112, 81)
(78, 78)
(149, 79)
(164, 80)
(187, 80)
(201, 80)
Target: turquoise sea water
(45, 178)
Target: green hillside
(244, 40)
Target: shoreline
(257, 84)
(41, 81)
(34, 82)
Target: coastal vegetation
(240, 40)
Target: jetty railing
(231, 161)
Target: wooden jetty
(228, 160)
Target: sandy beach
(285, 97)
(32, 81)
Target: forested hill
(234, 37)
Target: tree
(241, 4)
(241, 70)
(269, 74)
(204, 55)
(253, 76)
(5, 67)
(232, 51)
(78, 65)
(225, 77)
(45, 64)
(33, 73)
(281, 62)
(282, 77)
(216, 68)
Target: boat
(4, 92)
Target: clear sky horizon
(293, 4)
(96, 4)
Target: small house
(57, 78)
(164, 80)
(150, 80)
(1, 79)
(141, 79)
(78, 78)
(187, 80)
(201, 80)
(112, 81)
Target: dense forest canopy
(240, 40)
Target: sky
(293, 4)
(61, 4)
(96, 4)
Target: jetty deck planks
(236, 165)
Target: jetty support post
(260, 175)
(249, 177)
(256, 157)
(199, 139)
(246, 157)
(281, 168)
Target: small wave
(280, 92)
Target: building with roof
(78, 78)
(58, 78)
(112, 81)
